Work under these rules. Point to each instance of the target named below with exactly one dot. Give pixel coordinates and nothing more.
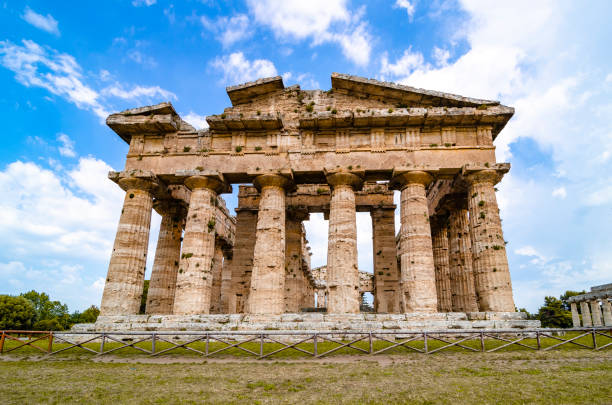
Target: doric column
(125, 278)
(226, 281)
(295, 280)
(267, 293)
(160, 298)
(417, 277)
(194, 281)
(460, 259)
(439, 238)
(607, 312)
(342, 271)
(242, 261)
(596, 313)
(490, 263)
(575, 315)
(386, 273)
(217, 268)
(586, 314)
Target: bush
(16, 313)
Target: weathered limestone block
(160, 298)
(418, 280)
(217, 268)
(295, 280)
(596, 313)
(386, 273)
(194, 281)
(226, 281)
(586, 314)
(490, 263)
(460, 260)
(439, 239)
(125, 279)
(342, 271)
(242, 261)
(267, 292)
(607, 312)
(575, 315)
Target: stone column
(125, 278)
(607, 312)
(490, 263)
(386, 273)
(439, 239)
(460, 259)
(242, 261)
(418, 279)
(575, 315)
(267, 293)
(226, 281)
(194, 281)
(160, 298)
(342, 271)
(295, 281)
(217, 268)
(596, 313)
(586, 314)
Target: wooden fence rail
(417, 341)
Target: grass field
(568, 374)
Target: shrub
(238, 149)
(186, 148)
(258, 148)
(16, 312)
(211, 224)
(334, 111)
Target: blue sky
(65, 65)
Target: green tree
(143, 300)
(568, 294)
(50, 315)
(90, 315)
(16, 313)
(553, 314)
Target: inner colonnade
(344, 156)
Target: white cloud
(559, 192)
(142, 59)
(45, 23)
(406, 4)
(229, 30)
(67, 146)
(406, 64)
(321, 20)
(137, 92)
(441, 56)
(196, 120)
(146, 3)
(237, 69)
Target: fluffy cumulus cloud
(60, 74)
(229, 30)
(406, 5)
(546, 71)
(196, 120)
(321, 21)
(44, 22)
(66, 147)
(236, 68)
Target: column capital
(148, 184)
(401, 180)
(485, 173)
(169, 207)
(273, 180)
(212, 183)
(344, 178)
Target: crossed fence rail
(342, 339)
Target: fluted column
(295, 280)
(575, 315)
(596, 313)
(226, 281)
(342, 271)
(194, 281)
(125, 277)
(607, 312)
(439, 239)
(418, 280)
(217, 268)
(490, 263)
(386, 273)
(460, 259)
(586, 314)
(267, 294)
(160, 298)
(242, 261)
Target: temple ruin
(295, 152)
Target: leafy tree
(143, 300)
(568, 294)
(90, 315)
(50, 315)
(16, 313)
(553, 314)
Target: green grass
(449, 378)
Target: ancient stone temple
(294, 152)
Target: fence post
(102, 342)
(314, 338)
(2, 342)
(594, 339)
(538, 339)
(206, 349)
(425, 341)
(482, 342)
(50, 342)
(153, 343)
(371, 351)
(261, 342)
